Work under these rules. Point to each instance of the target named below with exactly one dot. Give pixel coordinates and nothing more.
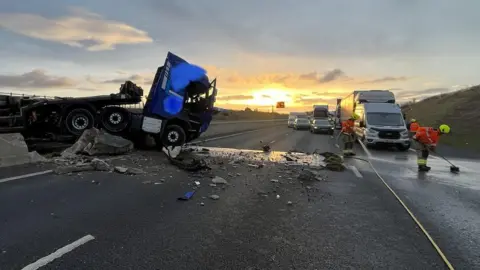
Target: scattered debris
(212, 185)
(266, 148)
(257, 166)
(95, 182)
(197, 183)
(121, 169)
(202, 204)
(308, 176)
(333, 161)
(278, 196)
(100, 165)
(219, 180)
(274, 180)
(289, 203)
(187, 196)
(214, 197)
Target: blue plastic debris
(187, 196)
(184, 73)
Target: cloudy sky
(303, 52)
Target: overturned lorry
(179, 107)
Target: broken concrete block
(100, 165)
(14, 151)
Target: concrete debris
(289, 203)
(308, 176)
(100, 165)
(197, 183)
(257, 166)
(95, 142)
(219, 180)
(333, 162)
(135, 171)
(202, 204)
(214, 197)
(278, 196)
(274, 180)
(121, 169)
(172, 151)
(14, 151)
(212, 185)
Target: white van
(381, 124)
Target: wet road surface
(350, 220)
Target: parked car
(322, 126)
(301, 123)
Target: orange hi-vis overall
(348, 136)
(427, 137)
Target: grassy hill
(460, 110)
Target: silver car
(301, 123)
(322, 126)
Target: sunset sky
(301, 52)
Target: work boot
(423, 168)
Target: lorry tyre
(115, 119)
(78, 120)
(173, 136)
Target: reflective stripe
(421, 161)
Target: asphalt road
(348, 220)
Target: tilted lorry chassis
(65, 119)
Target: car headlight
(372, 132)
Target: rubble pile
(96, 142)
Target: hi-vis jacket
(347, 126)
(427, 135)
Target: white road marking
(356, 171)
(58, 253)
(226, 136)
(24, 176)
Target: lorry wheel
(115, 119)
(78, 120)
(173, 136)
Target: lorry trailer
(348, 103)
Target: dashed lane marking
(356, 171)
(58, 253)
(24, 176)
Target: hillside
(460, 110)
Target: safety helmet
(413, 120)
(444, 129)
(354, 116)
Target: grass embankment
(460, 110)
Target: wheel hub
(115, 118)
(173, 136)
(80, 122)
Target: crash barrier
(14, 151)
(217, 128)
